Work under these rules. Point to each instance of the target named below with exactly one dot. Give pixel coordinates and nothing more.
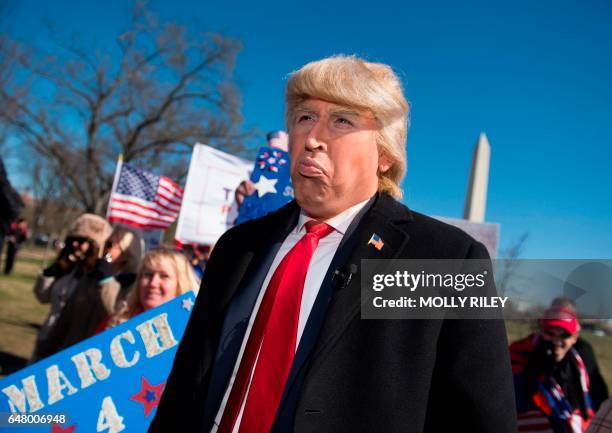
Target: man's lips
(310, 167)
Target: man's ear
(384, 163)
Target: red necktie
(275, 332)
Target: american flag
(376, 241)
(144, 200)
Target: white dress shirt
(319, 265)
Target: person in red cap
(551, 377)
(559, 327)
(598, 390)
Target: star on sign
(187, 304)
(148, 395)
(265, 185)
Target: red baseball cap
(561, 317)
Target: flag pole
(115, 181)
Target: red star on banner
(148, 395)
(56, 428)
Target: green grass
(603, 351)
(20, 312)
(517, 329)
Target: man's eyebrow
(345, 112)
(334, 110)
(305, 109)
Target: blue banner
(272, 182)
(111, 382)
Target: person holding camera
(75, 274)
(551, 377)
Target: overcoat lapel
(263, 244)
(345, 303)
(239, 301)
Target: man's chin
(312, 200)
(309, 203)
(309, 190)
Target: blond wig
(352, 82)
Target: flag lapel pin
(376, 241)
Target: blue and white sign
(111, 382)
(272, 183)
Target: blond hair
(353, 82)
(186, 281)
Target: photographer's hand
(62, 264)
(102, 270)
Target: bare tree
(50, 210)
(508, 262)
(150, 97)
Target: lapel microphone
(342, 276)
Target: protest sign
(487, 233)
(272, 182)
(111, 382)
(208, 208)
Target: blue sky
(534, 75)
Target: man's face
(562, 340)
(334, 157)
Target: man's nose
(317, 137)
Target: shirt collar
(340, 222)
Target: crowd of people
(279, 345)
(101, 278)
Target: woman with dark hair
(123, 250)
